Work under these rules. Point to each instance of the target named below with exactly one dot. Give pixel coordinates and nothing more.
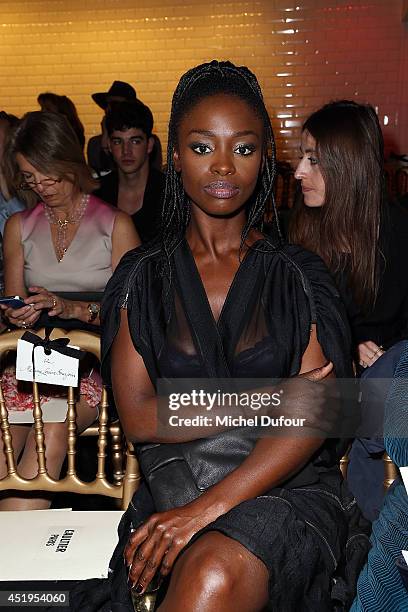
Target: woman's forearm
(296, 404)
(79, 310)
(149, 419)
(272, 462)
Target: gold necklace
(62, 225)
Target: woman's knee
(208, 571)
(220, 567)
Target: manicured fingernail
(139, 588)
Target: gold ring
(54, 302)
(24, 325)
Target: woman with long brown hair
(343, 216)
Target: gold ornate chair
(126, 474)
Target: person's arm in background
(7, 210)
(13, 262)
(13, 256)
(368, 352)
(124, 237)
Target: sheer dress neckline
(211, 337)
(229, 298)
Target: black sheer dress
(300, 529)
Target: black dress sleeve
(314, 282)
(124, 290)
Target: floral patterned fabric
(18, 394)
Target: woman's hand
(368, 353)
(42, 299)
(312, 397)
(45, 300)
(155, 545)
(21, 317)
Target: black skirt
(312, 542)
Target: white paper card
(404, 474)
(405, 555)
(57, 545)
(53, 369)
(24, 364)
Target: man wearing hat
(98, 150)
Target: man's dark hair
(127, 115)
(201, 82)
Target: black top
(387, 323)
(276, 294)
(403, 201)
(263, 329)
(147, 219)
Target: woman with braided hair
(215, 298)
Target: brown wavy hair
(49, 143)
(344, 231)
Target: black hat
(118, 89)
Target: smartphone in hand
(13, 301)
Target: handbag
(177, 474)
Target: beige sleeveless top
(87, 264)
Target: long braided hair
(198, 83)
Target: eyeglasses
(27, 184)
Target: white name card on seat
(53, 369)
(57, 545)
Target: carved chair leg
(390, 472)
(117, 454)
(132, 476)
